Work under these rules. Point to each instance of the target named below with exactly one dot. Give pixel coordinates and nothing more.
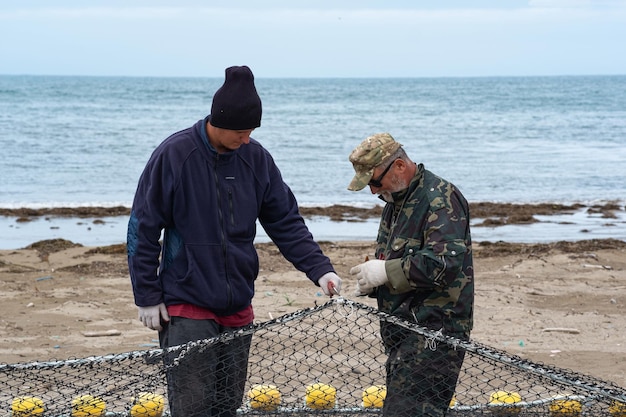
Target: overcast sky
(323, 38)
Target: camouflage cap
(370, 153)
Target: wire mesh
(316, 361)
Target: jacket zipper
(223, 232)
(231, 207)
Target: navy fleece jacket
(207, 205)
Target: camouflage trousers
(421, 374)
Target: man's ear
(400, 164)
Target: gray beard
(397, 185)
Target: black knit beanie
(236, 105)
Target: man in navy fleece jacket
(204, 188)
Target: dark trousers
(421, 375)
(205, 380)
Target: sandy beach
(561, 303)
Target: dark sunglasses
(376, 182)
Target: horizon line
(318, 77)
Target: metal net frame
(334, 349)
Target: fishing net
(327, 359)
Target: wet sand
(55, 292)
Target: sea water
(83, 141)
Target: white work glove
(330, 277)
(369, 275)
(152, 316)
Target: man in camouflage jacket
(422, 272)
